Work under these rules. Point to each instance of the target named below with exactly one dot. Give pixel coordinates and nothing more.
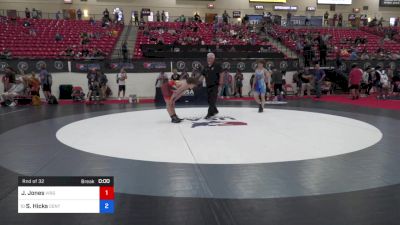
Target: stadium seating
(16, 37)
(337, 34)
(205, 31)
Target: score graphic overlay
(65, 194)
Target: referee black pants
(212, 95)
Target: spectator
(182, 19)
(102, 84)
(396, 85)
(97, 53)
(58, 15)
(158, 16)
(297, 81)
(238, 83)
(8, 78)
(58, 37)
(85, 52)
(289, 18)
(32, 32)
(380, 23)
(277, 82)
(106, 15)
(34, 85)
(306, 79)
(353, 55)
(135, 14)
(335, 17)
(384, 84)
(340, 21)
(5, 54)
(161, 79)
(307, 54)
(124, 50)
(184, 74)
(366, 83)
(92, 21)
(323, 50)
(319, 76)
(121, 78)
(79, 14)
(163, 16)
(17, 88)
(326, 18)
(395, 55)
(68, 52)
(34, 13)
(93, 85)
(355, 78)
(225, 17)
(364, 56)
(27, 13)
(175, 75)
(46, 81)
(196, 17)
(226, 84)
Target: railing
(47, 15)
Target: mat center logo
(216, 121)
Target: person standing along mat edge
(212, 74)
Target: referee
(212, 75)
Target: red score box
(106, 193)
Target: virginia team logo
(180, 65)
(217, 121)
(270, 64)
(39, 65)
(283, 65)
(254, 65)
(241, 66)
(226, 65)
(23, 66)
(58, 65)
(3, 65)
(196, 65)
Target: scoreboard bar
(65, 181)
(65, 194)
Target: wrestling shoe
(260, 109)
(175, 119)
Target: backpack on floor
(36, 100)
(52, 100)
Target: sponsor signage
(285, 8)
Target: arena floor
(304, 162)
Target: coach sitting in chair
(17, 89)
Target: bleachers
(15, 37)
(205, 31)
(382, 31)
(372, 45)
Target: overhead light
(85, 13)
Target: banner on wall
(146, 12)
(352, 17)
(27, 66)
(389, 3)
(189, 65)
(236, 14)
(363, 17)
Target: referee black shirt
(212, 73)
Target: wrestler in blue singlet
(260, 86)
